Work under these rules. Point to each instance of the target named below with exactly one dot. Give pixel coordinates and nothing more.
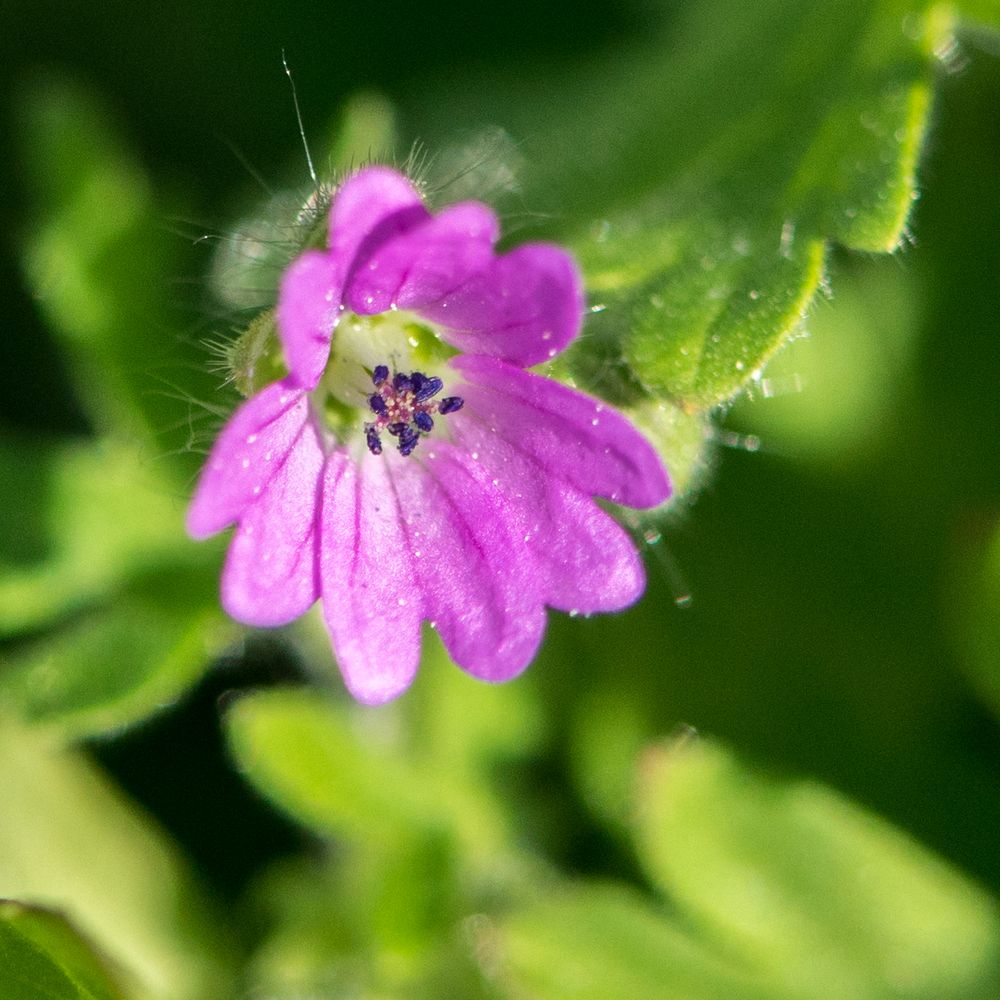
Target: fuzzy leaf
(721, 156)
(775, 157)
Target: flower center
(403, 406)
(387, 352)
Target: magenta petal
(586, 443)
(270, 573)
(583, 560)
(371, 604)
(590, 562)
(525, 307)
(250, 450)
(424, 263)
(478, 589)
(308, 310)
(372, 206)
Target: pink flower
(410, 468)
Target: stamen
(408, 441)
(430, 387)
(402, 408)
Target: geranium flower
(409, 468)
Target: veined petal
(247, 454)
(425, 263)
(270, 574)
(580, 440)
(580, 557)
(371, 604)
(370, 207)
(525, 307)
(308, 310)
(479, 593)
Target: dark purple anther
(408, 441)
(430, 387)
(450, 404)
(403, 409)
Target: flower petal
(247, 454)
(586, 443)
(424, 263)
(525, 307)
(308, 310)
(369, 208)
(270, 573)
(371, 606)
(478, 591)
(581, 558)
(590, 562)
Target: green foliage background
(776, 777)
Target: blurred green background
(787, 786)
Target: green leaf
(607, 943)
(976, 613)
(28, 973)
(609, 726)
(101, 264)
(54, 935)
(80, 520)
(420, 767)
(781, 129)
(720, 157)
(306, 753)
(70, 842)
(833, 396)
(112, 667)
(461, 727)
(413, 845)
(808, 888)
(365, 131)
(332, 931)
